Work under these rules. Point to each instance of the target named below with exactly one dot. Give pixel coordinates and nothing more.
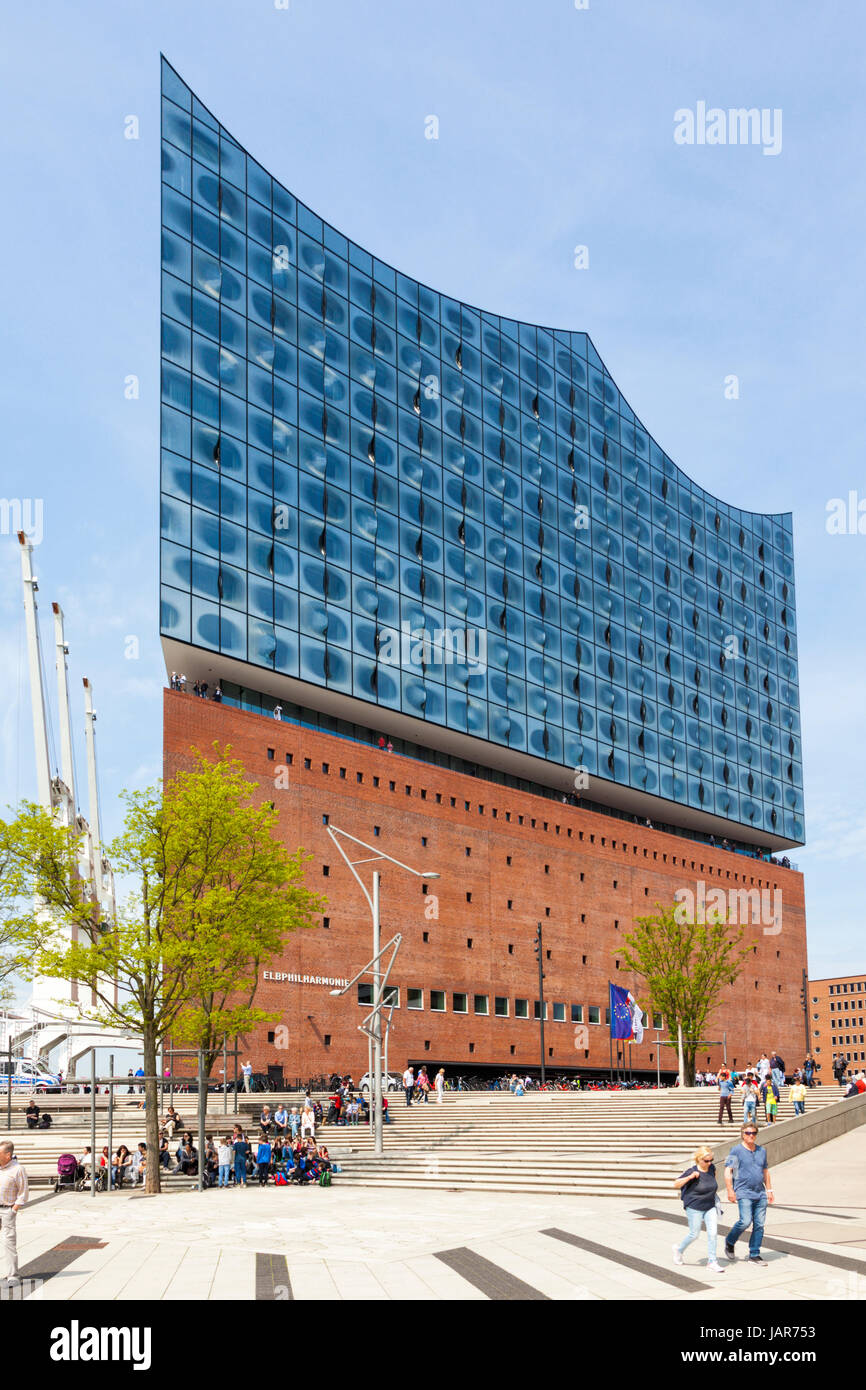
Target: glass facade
(373, 488)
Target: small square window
(594, 1013)
(343, 773)
(500, 1006)
(375, 781)
(521, 1008)
(559, 1013)
(414, 998)
(458, 1003)
(453, 800)
(289, 759)
(359, 777)
(365, 994)
(307, 764)
(326, 767)
(577, 1013)
(537, 1009)
(481, 1004)
(392, 786)
(270, 1037)
(408, 790)
(437, 1001)
(270, 755)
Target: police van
(27, 1076)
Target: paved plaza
(277, 1243)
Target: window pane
(559, 1013)
(594, 1013)
(414, 999)
(481, 1004)
(437, 1000)
(365, 994)
(500, 1006)
(521, 1008)
(458, 1003)
(577, 1013)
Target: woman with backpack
(698, 1189)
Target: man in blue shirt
(726, 1090)
(747, 1180)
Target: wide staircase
(618, 1143)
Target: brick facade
(837, 1020)
(584, 875)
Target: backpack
(280, 1179)
(325, 1179)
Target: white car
(389, 1083)
(27, 1076)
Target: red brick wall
(590, 870)
(842, 1029)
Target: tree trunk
(689, 1055)
(151, 1110)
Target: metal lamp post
(372, 1024)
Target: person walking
(777, 1068)
(798, 1096)
(698, 1189)
(247, 1073)
(726, 1090)
(750, 1101)
(809, 1070)
(440, 1086)
(748, 1183)
(408, 1084)
(13, 1195)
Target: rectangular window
(437, 1001)
(594, 1014)
(559, 1013)
(481, 1004)
(458, 1004)
(391, 996)
(577, 1013)
(521, 1008)
(537, 1009)
(365, 994)
(500, 1006)
(414, 998)
(607, 1015)
(270, 755)
(657, 1021)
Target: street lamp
(372, 1023)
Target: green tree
(686, 966)
(214, 896)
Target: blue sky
(555, 129)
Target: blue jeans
(799, 1107)
(240, 1170)
(750, 1109)
(225, 1169)
(778, 1077)
(696, 1219)
(753, 1212)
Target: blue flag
(621, 1020)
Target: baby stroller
(69, 1172)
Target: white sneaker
(678, 1255)
(715, 1267)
